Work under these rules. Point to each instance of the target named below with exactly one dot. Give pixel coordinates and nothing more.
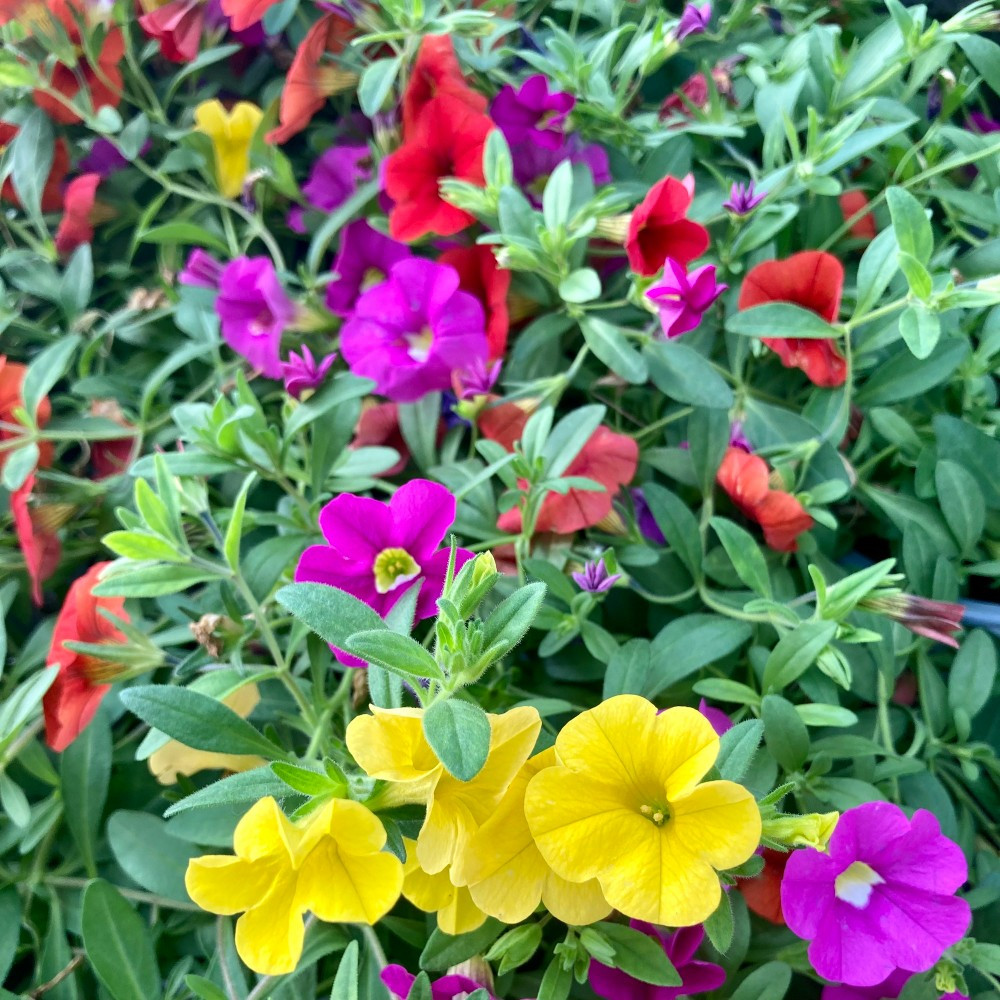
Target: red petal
(812, 279)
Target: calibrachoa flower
(532, 113)
(83, 679)
(333, 179)
(389, 744)
(644, 519)
(763, 892)
(937, 620)
(77, 223)
(718, 719)
(863, 228)
(452, 904)
(303, 372)
(743, 199)
(231, 133)
(243, 13)
(595, 577)
(813, 280)
(399, 982)
(436, 71)
(659, 228)
(680, 948)
(624, 806)
(379, 425)
(331, 863)
(882, 898)
(681, 298)
(106, 159)
(888, 989)
(112, 456)
(694, 20)
(364, 260)
(254, 311)
(481, 276)
(177, 26)
(375, 550)
(412, 331)
(201, 270)
(477, 380)
(51, 199)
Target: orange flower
(51, 195)
(77, 224)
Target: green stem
(67, 882)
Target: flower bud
(810, 830)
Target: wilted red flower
(813, 280)
(177, 26)
(763, 893)
(311, 79)
(243, 13)
(378, 426)
(36, 536)
(51, 194)
(852, 202)
(480, 275)
(103, 81)
(744, 477)
(937, 620)
(660, 229)
(693, 92)
(77, 224)
(113, 455)
(436, 71)
(83, 680)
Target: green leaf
(720, 926)
(237, 789)
(234, 530)
(10, 928)
(769, 982)
(45, 370)
(306, 781)
(148, 854)
(691, 642)
(14, 802)
(686, 376)
(737, 748)
(398, 653)
(962, 503)
(511, 619)
(973, 673)
(151, 581)
(335, 393)
(878, 267)
(418, 423)
(444, 950)
(745, 555)
(84, 772)
(557, 981)
(459, 734)
(31, 161)
(984, 56)
(55, 957)
(611, 346)
(557, 199)
(795, 653)
(638, 955)
(375, 84)
(678, 524)
(904, 377)
(565, 441)
(196, 720)
(345, 983)
(708, 439)
(204, 988)
(19, 464)
(583, 285)
(629, 668)
(141, 547)
(785, 733)
(331, 613)
(920, 329)
(118, 944)
(976, 452)
(77, 281)
(421, 988)
(917, 276)
(186, 234)
(780, 319)
(912, 227)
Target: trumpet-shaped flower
(659, 228)
(625, 806)
(390, 744)
(302, 372)
(363, 261)
(231, 133)
(399, 982)
(331, 864)
(453, 904)
(681, 298)
(506, 874)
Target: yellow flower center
(394, 567)
(419, 344)
(372, 277)
(655, 814)
(855, 883)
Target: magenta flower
(374, 550)
(696, 976)
(476, 380)
(882, 898)
(334, 177)
(742, 199)
(694, 20)
(399, 982)
(254, 311)
(719, 720)
(302, 371)
(647, 525)
(683, 298)
(532, 113)
(888, 989)
(737, 439)
(202, 270)
(595, 578)
(533, 163)
(411, 332)
(105, 158)
(364, 260)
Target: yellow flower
(330, 863)
(390, 744)
(174, 759)
(230, 133)
(506, 874)
(456, 912)
(624, 806)
(811, 830)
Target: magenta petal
(918, 927)
(923, 858)
(321, 564)
(613, 984)
(683, 943)
(357, 527)
(807, 890)
(701, 977)
(397, 981)
(863, 832)
(423, 512)
(845, 950)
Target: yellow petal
(574, 903)
(462, 915)
(390, 744)
(718, 821)
(447, 827)
(354, 827)
(210, 118)
(341, 887)
(227, 885)
(685, 747)
(243, 121)
(269, 937)
(455, 909)
(265, 830)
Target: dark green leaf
(10, 928)
(345, 983)
(628, 669)
(973, 674)
(785, 733)
(45, 370)
(459, 734)
(610, 345)
(708, 438)
(769, 982)
(796, 652)
(85, 769)
(509, 622)
(31, 160)
(237, 789)
(962, 503)
(686, 376)
(678, 524)
(737, 749)
(780, 319)
(745, 555)
(719, 926)
(910, 222)
(398, 653)
(444, 950)
(148, 854)
(689, 643)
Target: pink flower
(694, 20)
(364, 260)
(743, 199)
(302, 371)
(532, 113)
(334, 177)
(202, 270)
(682, 298)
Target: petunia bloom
(452, 904)
(201, 270)
(644, 519)
(253, 312)
(481, 276)
(399, 982)
(813, 280)
(476, 381)
(106, 159)
(330, 863)
(389, 744)
(532, 113)
(436, 71)
(177, 26)
(375, 550)
(76, 226)
(888, 989)
(412, 331)
(882, 898)
(231, 133)
(745, 478)
(659, 228)
(718, 719)
(743, 199)
(334, 177)
(364, 260)
(379, 425)
(83, 679)
(624, 805)
(302, 372)
(763, 892)
(863, 228)
(244, 13)
(681, 298)
(680, 947)
(51, 200)
(694, 20)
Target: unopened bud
(811, 830)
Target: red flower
(446, 141)
(310, 79)
(378, 426)
(243, 13)
(82, 681)
(852, 202)
(694, 92)
(479, 274)
(436, 71)
(744, 477)
(113, 455)
(763, 893)
(51, 194)
(177, 26)
(813, 280)
(77, 224)
(659, 228)
(103, 81)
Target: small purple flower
(414, 330)
(682, 298)
(105, 159)
(399, 982)
(721, 722)
(254, 310)
(983, 123)
(742, 199)
(302, 372)
(202, 270)
(680, 947)
(334, 177)
(648, 527)
(882, 898)
(934, 100)
(595, 577)
(364, 260)
(532, 113)
(478, 379)
(694, 20)
(737, 439)
(534, 163)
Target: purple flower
(648, 527)
(105, 159)
(364, 260)
(882, 898)
(742, 199)
(202, 270)
(532, 113)
(737, 439)
(333, 179)
(534, 163)
(888, 989)
(411, 332)
(302, 372)
(478, 379)
(683, 298)
(721, 722)
(983, 123)
(374, 550)
(595, 577)
(694, 20)
(254, 311)
(399, 982)
(696, 977)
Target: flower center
(394, 567)
(372, 277)
(855, 883)
(419, 344)
(261, 323)
(655, 813)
